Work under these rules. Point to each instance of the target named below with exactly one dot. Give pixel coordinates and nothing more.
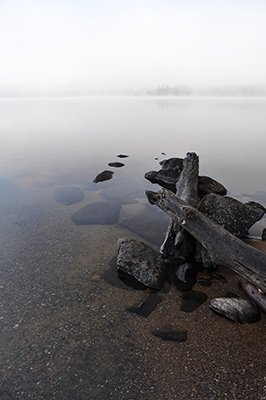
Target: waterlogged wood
(223, 247)
(179, 244)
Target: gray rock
(208, 185)
(140, 261)
(68, 195)
(103, 213)
(165, 178)
(263, 236)
(236, 309)
(172, 163)
(231, 214)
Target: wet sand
(66, 336)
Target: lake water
(65, 329)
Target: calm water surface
(66, 335)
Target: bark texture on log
(179, 244)
(223, 247)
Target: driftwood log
(223, 247)
(178, 243)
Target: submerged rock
(236, 309)
(147, 226)
(146, 307)
(192, 300)
(103, 176)
(116, 164)
(231, 214)
(141, 262)
(103, 213)
(120, 193)
(68, 195)
(165, 333)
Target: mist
(130, 47)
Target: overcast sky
(105, 45)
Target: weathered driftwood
(223, 247)
(179, 244)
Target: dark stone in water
(208, 185)
(116, 164)
(103, 213)
(120, 193)
(263, 236)
(231, 214)
(185, 277)
(172, 164)
(236, 309)
(122, 156)
(165, 178)
(103, 176)
(147, 306)
(68, 195)
(192, 300)
(140, 261)
(165, 333)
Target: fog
(74, 47)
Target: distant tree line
(181, 90)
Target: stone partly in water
(192, 300)
(173, 335)
(116, 164)
(263, 236)
(208, 185)
(122, 156)
(165, 178)
(231, 214)
(236, 309)
(103, 176)
(68, 195)
(103, 213)
(172, 163)
(141, 262)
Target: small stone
(116, 164)
(103, 176)
(192, 300)
(263, 234)
(95, 278)
(165, 333)
(122, 156)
